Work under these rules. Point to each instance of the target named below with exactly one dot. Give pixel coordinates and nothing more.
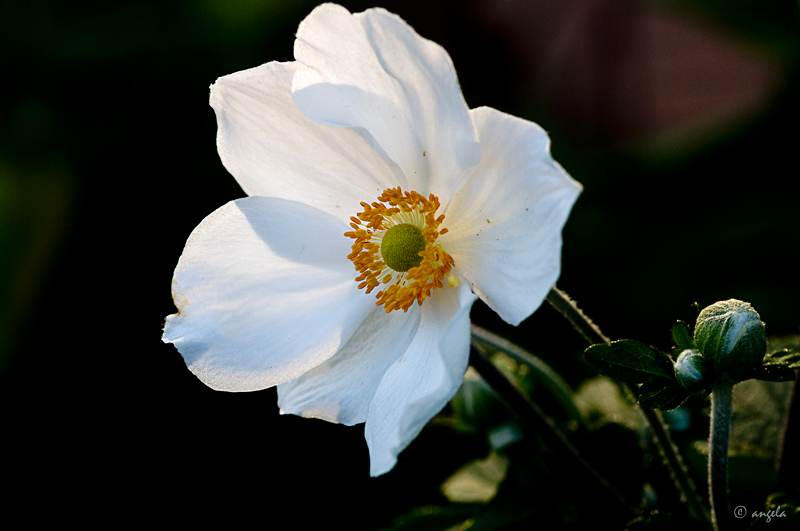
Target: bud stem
(721, 409)
(680, 474)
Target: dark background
(679, 118)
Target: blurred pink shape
(614, 71)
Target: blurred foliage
(781, 511)
(758, 411)
(476, 481)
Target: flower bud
(693, 370)
(732, 334)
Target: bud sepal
(732, 334)
(694, 371)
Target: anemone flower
(380, 208)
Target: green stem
(539, 370)
(561, 302)
(680, 474)
(542, 426)
(721, 409)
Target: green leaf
(477, 481)
(663, 397)
(776, 517)
(777, 366)
(600, 401)
(630, 361)
(663, 521)
(434, 517)
(767, 373)
(681, 336)
(497, 519)
(785, 358)
(475, 406)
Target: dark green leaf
(779, 513)
(630, 361)
(434, 517)
(499, 519)
(768, 373)
(785, 358)
(681, 336)
(460, 516)
(777, 367)
(657, 521)
(663, 397)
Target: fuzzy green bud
(693, 370)
(732, 334)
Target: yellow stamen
(400, 288)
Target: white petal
(373, 70)
(341, 389)
(420, 383)
(505, 222)
(274, 150)
(265, 293)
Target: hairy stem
(535, 419)
(680, 474)
(561, 302)
(721, 409)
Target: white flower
(266, 287)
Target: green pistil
(401, 246)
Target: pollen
(396, 249)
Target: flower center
(395, 245)
(401, 245)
